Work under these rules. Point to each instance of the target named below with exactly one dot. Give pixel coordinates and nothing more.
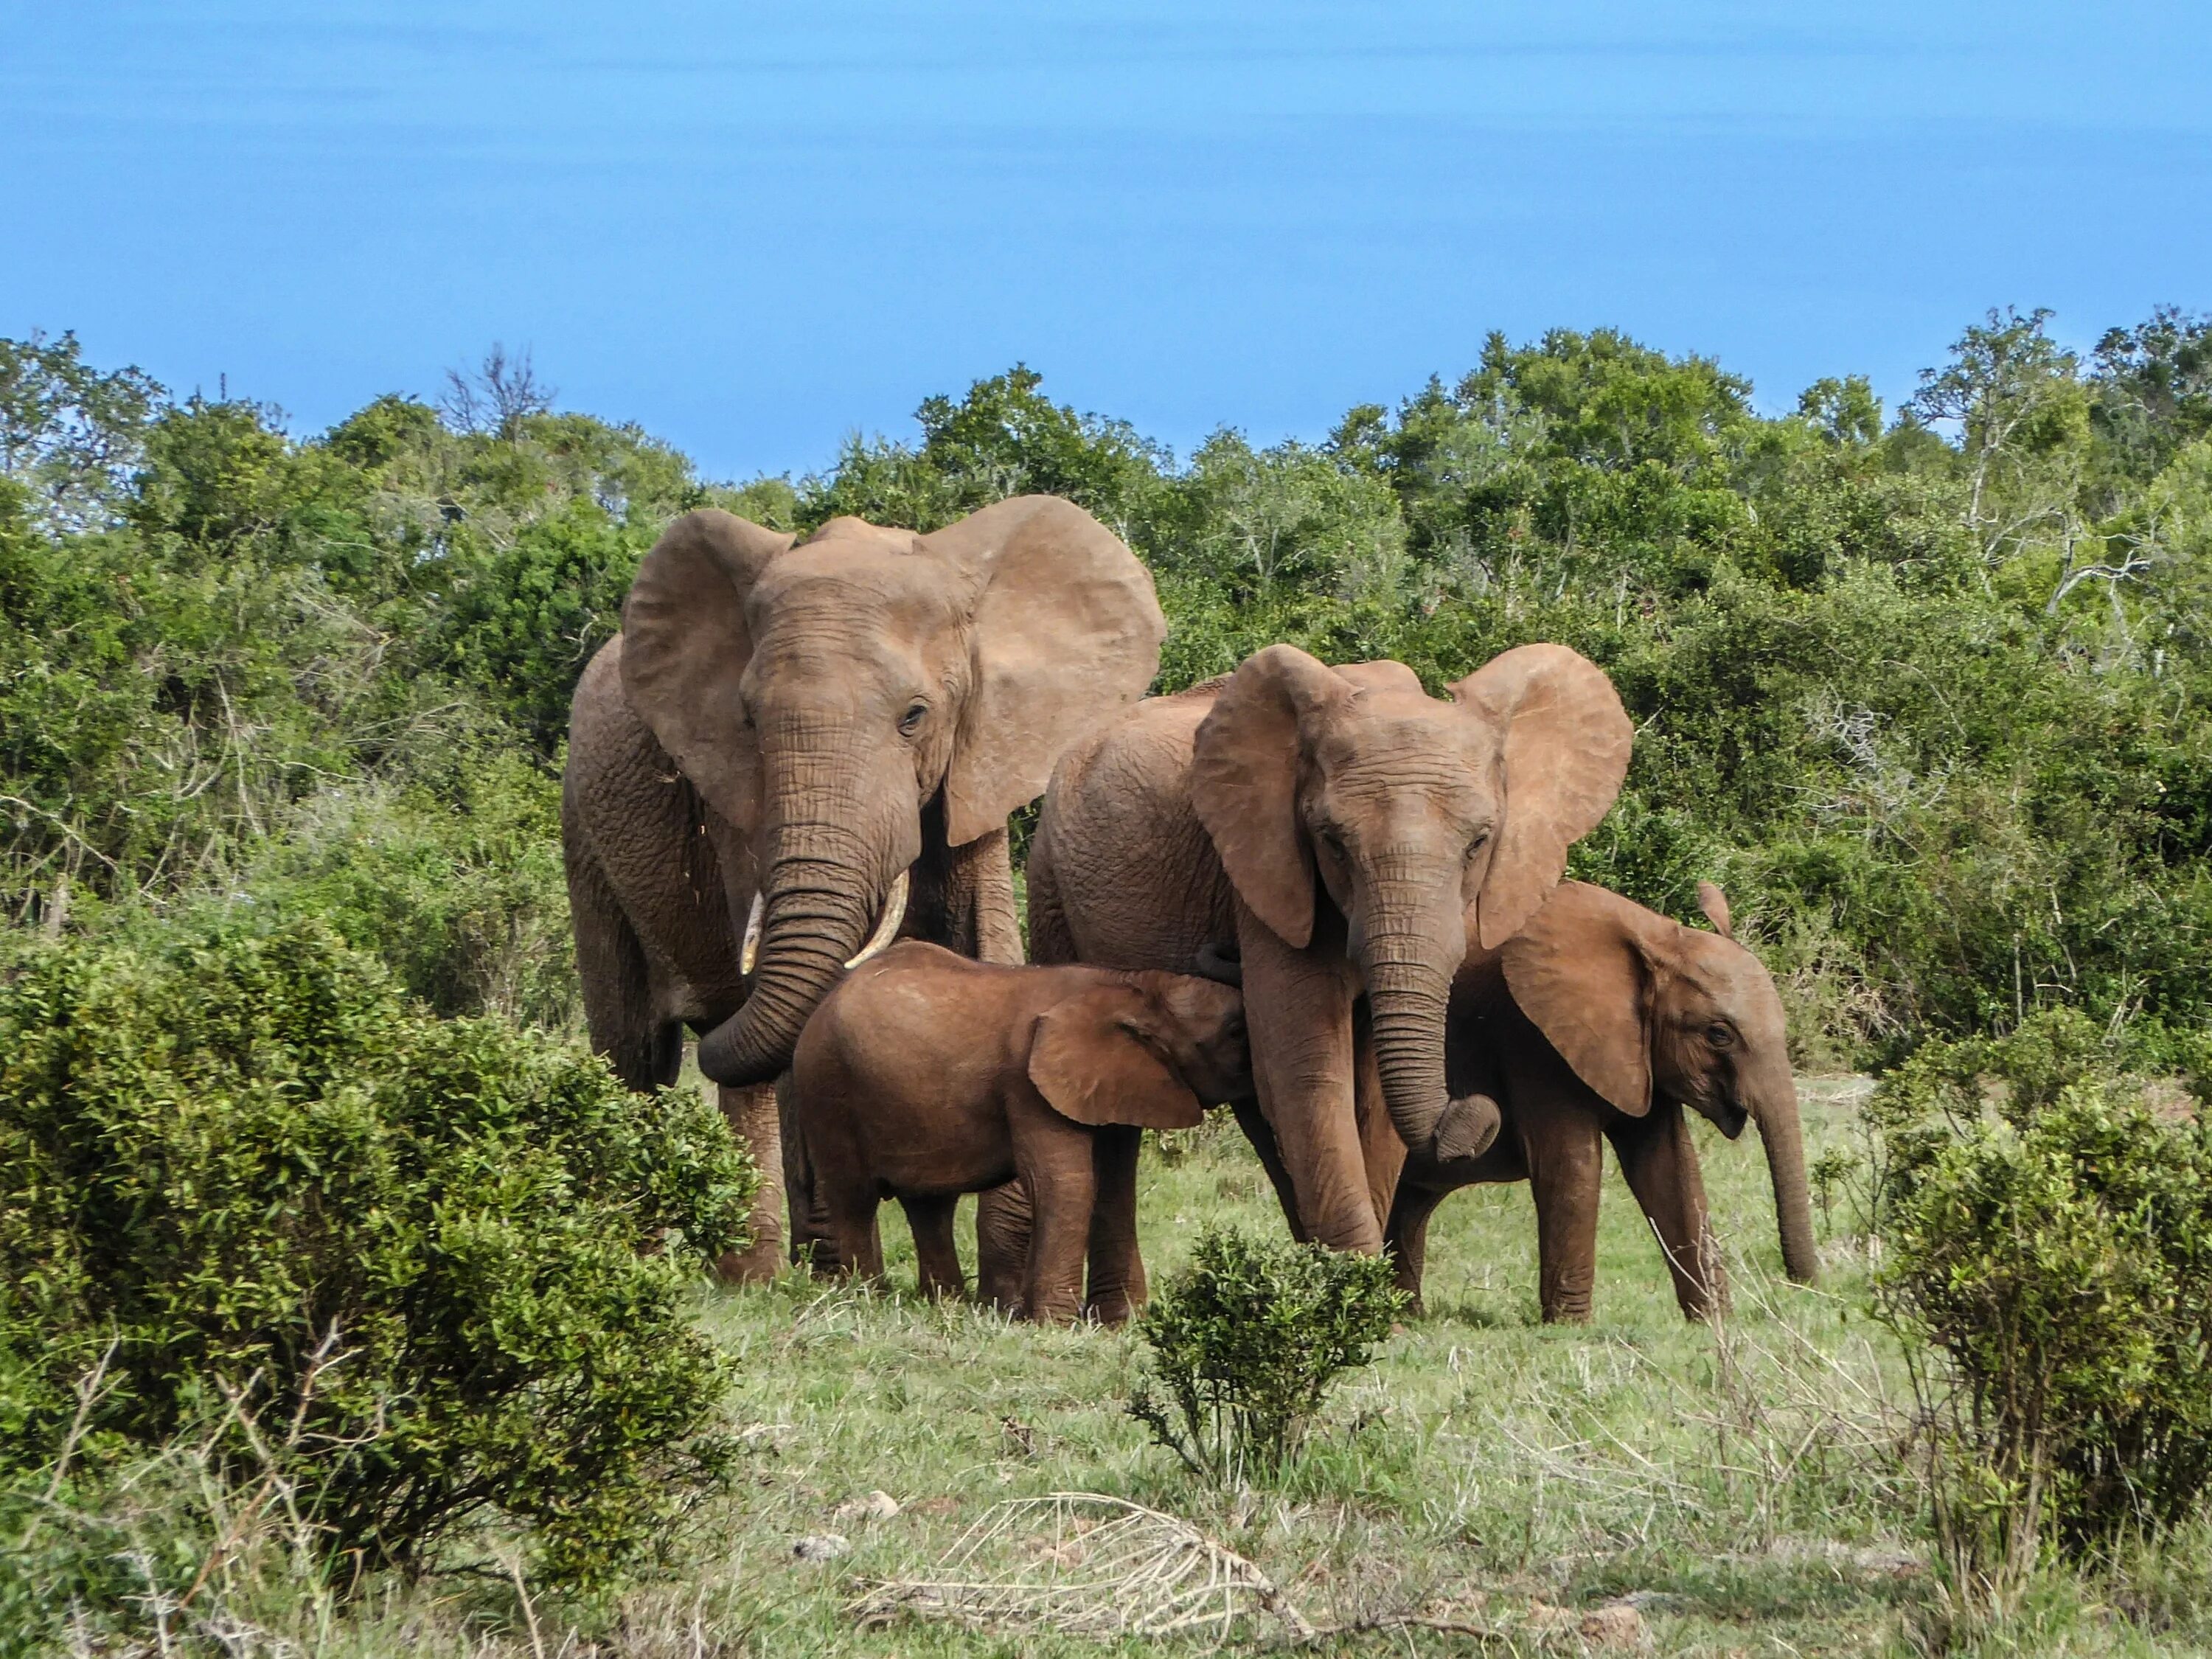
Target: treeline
(1925, 691)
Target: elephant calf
(1601, 1021)
(924, 1075)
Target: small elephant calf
(1603, 1021)
(924, 1075)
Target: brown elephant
(1603, 1021)
(792, 742)
(1346, 837)
(924, 1075)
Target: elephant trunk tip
(1467, 1128)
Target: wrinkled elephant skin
(800, 723)
(1347, 837)
(1604, 1021)
(925, 1075)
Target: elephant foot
(754, 1265)
(1468, 1127)
(1114, 1311)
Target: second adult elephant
(791, 739)
(1347, 837)
(1604, 1021)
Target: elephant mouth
(1730, 1120)
(886, 927)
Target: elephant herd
(1315, 894)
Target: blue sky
(755, 229)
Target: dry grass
(1489, 1484)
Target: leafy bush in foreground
(2047, 1224)
(1248, 1340)
(444, 1260)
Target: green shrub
(1247, 1342)
(445, 1261)
(458, 888)
(2046, 1218)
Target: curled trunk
(1409, 977)
(820, 900)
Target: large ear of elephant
(1067, 632)
(1092, 1066)
(1579, 970)
(1564, 750)
(1244, 783)
(684, 645)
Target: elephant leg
(850, 1205)
(1051, 939)
(1406, 1238)
(756, 1120)
(962, 898)
(981, 890)
(1566, 1173)
(1117, 1287)
(930, 1218)
(1054, 1158)
(1271, 1159)
(646, 1051)
(1383, 1150)
(1660, 1165)
(811, 1246)
(1298, 1007)
(1002, 1245)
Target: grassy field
(1739, 1485)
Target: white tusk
(887, 929)
(751, 951)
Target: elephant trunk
(821, 890)
(1780, 1129)
(1409, 971)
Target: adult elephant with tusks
(796, 750)
(1344, 835)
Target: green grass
(1742, 1480)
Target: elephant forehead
(1424, 746)
(1732, 980)
(810, 585)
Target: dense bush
(2046, 1216)
(445, 1260)
(1247, 1341)
(1928, 692)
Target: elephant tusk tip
(751, 952)
(887, 928)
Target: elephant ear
(1563, 743)
(1244, 783)
(1582, 972)
(1088, 1057)
(1714, 903)
(684, 645)
(1068, 631)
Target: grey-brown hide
(1602, 1018)
(1346, 835)
(801, 722)
(927, 1076)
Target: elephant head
(1152, 1051)
(1642, 1007)
(821, 694)
(1428, 823)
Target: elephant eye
(1719, 1036)
(910, 722)
(1474, 847)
